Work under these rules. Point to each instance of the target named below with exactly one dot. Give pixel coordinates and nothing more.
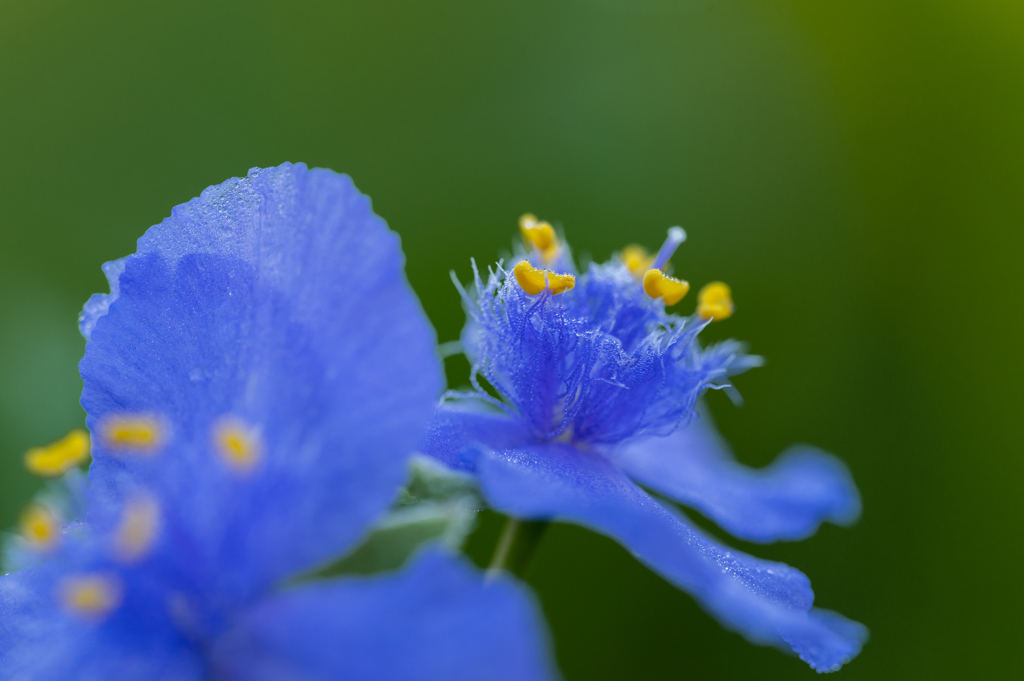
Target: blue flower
(255, 383)
(584, 387)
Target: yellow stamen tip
(636, 259)
(540, 234)
(137, 530)
(714, 302)
(237, 443)
(142, 433)
(90, 596)
(58, 457)
(534, 280)
(40, 527)
(657, 284)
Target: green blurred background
(853, 168)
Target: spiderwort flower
(254, 384)
(584, 386)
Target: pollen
(657, 284)
(58, 457)
(534, 280)
(90, 596)
(137, 530)
(40, 527)
(141, 433)
(636, 259)
(237, 443)
(714, 302)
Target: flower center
(602, 363)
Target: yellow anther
(58, 457)
(540, 234)
(657, 284)
(137, 530)
(714, 302)
(90, 596)
(636, 259)
(237, 443)
(141, 433)
(534, 280)
(40, 527)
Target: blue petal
(278, 299)
(787, 500)
(40, 642)
(99, 303)
(460, 425)
(436, 619)
(769, 603)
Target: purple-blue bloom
(585, 388)
(255, 383)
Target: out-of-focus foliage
(852, 170)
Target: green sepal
(437, 504)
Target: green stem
(516, 546)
